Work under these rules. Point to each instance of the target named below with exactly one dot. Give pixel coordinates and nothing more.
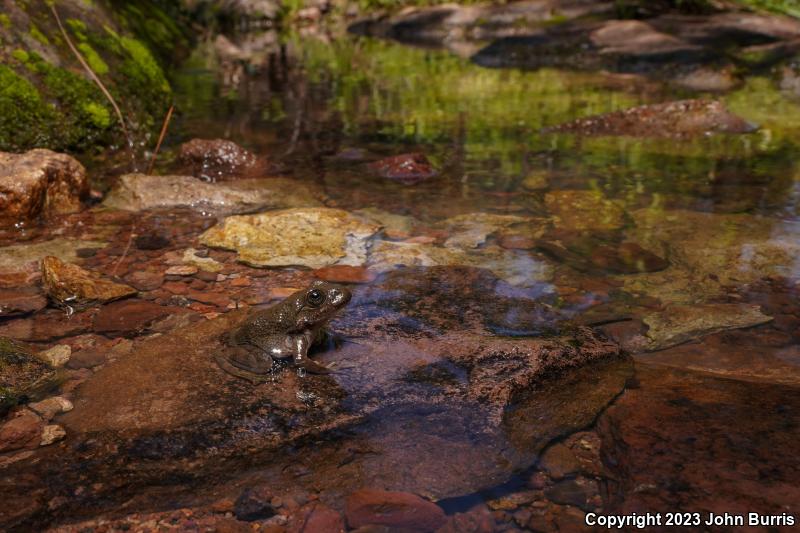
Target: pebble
(182, 270)
(345, 274)
(21, 431)
(144, 280)
(176, 287)
(57, 356)
(397, 510)
(50, 407)
(52, 434)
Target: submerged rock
(20, 257)
(405, 168)
(22, 375)
(396, 510)
(20, 301)
(314, 237)
(218, 159)
(471, 230)
(584, 210)
(70, 285)
(684, 118)
(40, 183)
(134, 192)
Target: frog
(286, 330)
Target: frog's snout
(340, 297)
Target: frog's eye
(315, 297)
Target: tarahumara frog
(285, 330)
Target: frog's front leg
(302, 343)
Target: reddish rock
(23, 430)
(217, 159)
(47, 326)
(394, 509)
(683, 118)
(181, 270)
(16, 279)
(176, 287)
(145, 280)
(212, 298)
(406, 168)
(129, 316)
(254, 504)
(20, 302)
(517, 242)
(345, 274)
(40, 183)
(316, 518)
(478, 520)
(71, 285)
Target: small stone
(275, 293)
(181, 270)
(21, 431)
(176, 287)
(129, 316)
(399, 510)
(52, 406)
(206, 264)
(517, 242)
(56, 356)
(52, 434)
(405, 168)
(71, 285)
(145, 280)
(254, 504)
(88, 358)
(345, 274)
(151, 241)
(559, 461)
(212, 298)
(576, 492)
(536, 180)
(241, 282)
(538, 480)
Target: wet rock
(181, 270)
(151, 241)
(677, 324)
(88, 358)
(47, 326)
(20, 301)
(22, 430)
(50, 407)
(146, 280)
(394, 226)
(254, 504)
(584, 210)
(183, 519)
(536, 181)
(316, 517)
(684, 118)
(577, 492)
(217, 159)
(516, 242)
(135, 192)
(57, 356)
(516, 267)
(559, 461)
(193, 258)
(40, 183)
(665, 440)
(471, 230)
(344, 274)
(477, 520)
(18, 257)
(22, 376)
(52, 434)
(405, 168)
(70, 285)
(638, 38)
(129, 317)
(708, 252)
(626, 258)
(314, 237)
(398, 510)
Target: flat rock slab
(436, 415)
(311, 237)
(135, 192)
(71, 285)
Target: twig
(92, 75)
(161, 136)
(127, 249)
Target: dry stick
(161, 136)
(92, 75)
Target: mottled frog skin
(286, 330)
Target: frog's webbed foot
(245, 364)
(311, 366)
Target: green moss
(78, 28)
(143, 66)
(93, 59)
(24, 116)
(37, 34)
(20, 55)
(98, 114)
(5, 21)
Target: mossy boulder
(22, 376)
(47, 99)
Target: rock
(20, 302)
(316, 517)
(50, 407)
(52, 434)
(405, 168)
(254, 504)
(589, 252)
(577, 492)
(88, 358)
(677, 324)
(70, 285)
(394, 226)
(206, 264)
(313, 237)
(57, 356)
(398, 510)
(637, 38)
(129, 317)
(559, 461)
(665, 439)
(146, 280)
(18, 257)
(478, 520)
(207, 297)
(217, 159)
(516, 267)
(344, 274)
(584, 210)
(536, 181)
(683, 118)
(48, 326)
(22, 376)
(23, 430)
(471, 230)
(181, 270)
(626, 258)
(40, 183)
(516, 242)
(708, 252)
(135, 192)
(151, 241)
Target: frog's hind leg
(245, 364)
(302, 343)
